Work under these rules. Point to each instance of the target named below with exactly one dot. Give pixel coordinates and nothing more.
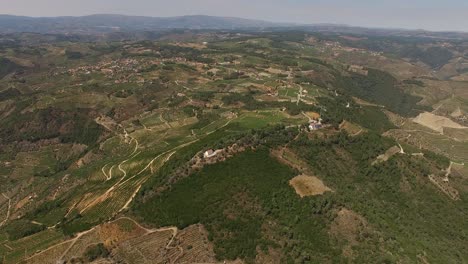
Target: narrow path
(73, 241)
(449, 170)
(308, 117)
(137, 145)
(357, 133)
(108, 175)
(131, 199)
(437, 108)
(401, 149)
(299, 95)
(121, 182)
(104, 171)
(8, 210)
(227, 123)
(95, 201)
(110, 172)
(7, 246)
(427, 132)
(164, 121)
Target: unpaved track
(402, 151)
(73, 241)
(449, 169)
(299, 95)
(8, 210)
(108, 175)
(110, 172)
(121, 182)
(103, 169)
(106, 195)
(164, 121)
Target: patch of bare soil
(365, 103)
(435, 122)
(120, 230)
(308, 186)
(387, 155)
(348, 227)
(352, 129)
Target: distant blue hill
(109, 23)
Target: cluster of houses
(107, 67)
(336, 47)
(315, 124)
(127, 69)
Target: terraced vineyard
(232, 147)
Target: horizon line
(285, 23)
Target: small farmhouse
(209, 153)
(315, 124)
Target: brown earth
(435, 122)
(308, 186)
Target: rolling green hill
(207, 146)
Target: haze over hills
(109, 23)
(201, 139)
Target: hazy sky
(416, 14)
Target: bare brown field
(308, 186)
(115, 232)
(435, 122)
(312, 115)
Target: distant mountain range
(106, 23)
(109, 23)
